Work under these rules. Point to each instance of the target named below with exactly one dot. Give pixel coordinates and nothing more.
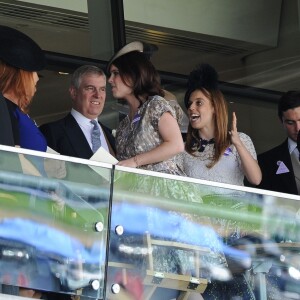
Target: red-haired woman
(211, 151)
(20, 59)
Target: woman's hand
(250, 166)
(131, 162)
(171, 145)
(234, 136)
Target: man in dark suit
(71, 135)
(280, 166)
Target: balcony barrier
(74, 228)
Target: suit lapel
(77, 139)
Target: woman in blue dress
(20, 59)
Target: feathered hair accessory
(204, 76)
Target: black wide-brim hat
(20, 51)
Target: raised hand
(249, 164)
(234, 136)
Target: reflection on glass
(53, 231)
(169, 237)
(184, 239)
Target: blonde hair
(19, 82)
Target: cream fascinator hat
(133, 46)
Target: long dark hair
(137, 72)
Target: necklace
(135, 121)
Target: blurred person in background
(280, 165)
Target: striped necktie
(96, 142)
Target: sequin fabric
(135, 137)
(227, 170)
(140, 136)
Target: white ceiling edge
(77, 5)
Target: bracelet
(136, 161)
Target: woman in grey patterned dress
(214, 153)
(149, 138)
(211, 152)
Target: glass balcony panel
(173, 236)
(53, 223)
(168, 236)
